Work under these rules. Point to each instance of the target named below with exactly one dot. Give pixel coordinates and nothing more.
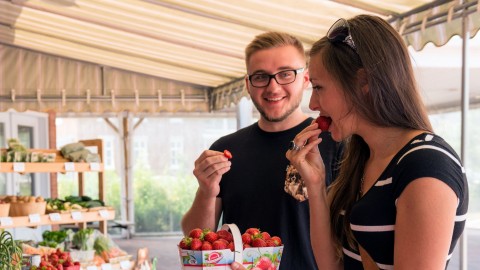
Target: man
(249, 188)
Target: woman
(401, 196)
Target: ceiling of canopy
(201, 43)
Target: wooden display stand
(62, 165)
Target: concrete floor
(165, 250)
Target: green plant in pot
(10, 252)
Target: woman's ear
(362, 80)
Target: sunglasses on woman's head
(340, 32)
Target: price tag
(77, 215)
(6, 221)
(55, 217)
(94, 166)
(69, 166)
(125, 265)
(92, 267)
(106, 266)
(103, 213)
(18, 167)
(34, 218)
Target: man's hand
(209, 168)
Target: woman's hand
(307, 159)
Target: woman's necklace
(360, 191)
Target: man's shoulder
(234, 136)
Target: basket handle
(237, 241)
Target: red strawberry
(185, 243)
(253, 231)
(206, 246)
(277, 240)
(246, 238)
(265, 235)
(196, 233)
(224, 234)
(219, 244)
(323, 122)
(196, 244)
(270, 243)
(258, 242)
(227, 154)
(210, 237)
(231, 246)
(246, 246)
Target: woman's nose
(313, 104)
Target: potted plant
(10, 252)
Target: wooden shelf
(62, 165)
(66, 218)
(48, 167)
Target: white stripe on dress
(434, 148)
(385, 182)
(380, 228)
(357, 257)
(461, 218)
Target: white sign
(77, 215)
(125, 265)
(55, 217)
(69, 166)
(106, 266)
(18, 167)
(103, 213)
(94, 166)
(6, 221)
(34, 218)
(92, 267)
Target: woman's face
(329, 99)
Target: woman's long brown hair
(392, 100)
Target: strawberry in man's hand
(227, 154)
(323, 122)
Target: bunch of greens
(53, 238)
(83, 239)
(10, 252)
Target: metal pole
(464, 114)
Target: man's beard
(281, 117)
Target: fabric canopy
(154, 56)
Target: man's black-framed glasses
(340, 32)
(282, 78)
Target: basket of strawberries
(207, 249)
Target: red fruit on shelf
(227, 154)
(323, 122)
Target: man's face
(276, 102)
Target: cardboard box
(221, 259)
